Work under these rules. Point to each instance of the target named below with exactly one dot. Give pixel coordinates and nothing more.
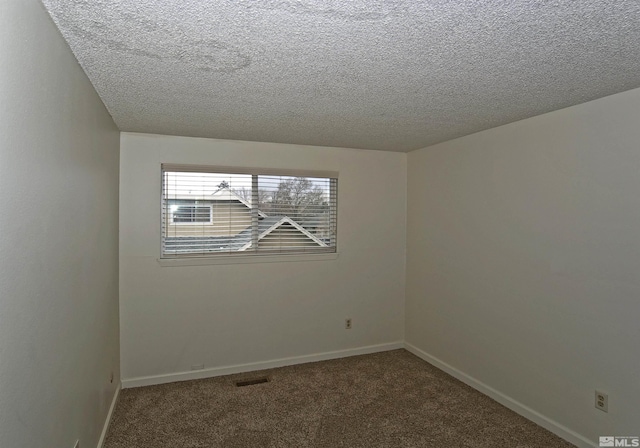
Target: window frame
(250, 256)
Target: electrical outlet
(602, 401)
(197, 367)
(77, 444)
(347, 323)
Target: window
(188, 212)
(215, 211)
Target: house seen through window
(221, 211)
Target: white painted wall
(523, 261)
(226, 315)
(58, 239)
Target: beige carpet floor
(390, 399)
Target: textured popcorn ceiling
(393, 75)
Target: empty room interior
(469, 174)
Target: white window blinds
(211, 211)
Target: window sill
(249, 259)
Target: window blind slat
(250, 171)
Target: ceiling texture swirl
(391, 75)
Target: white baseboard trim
(107, 422)
(528, 413)
(250, 367)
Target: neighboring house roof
(236, 243)
(268, 225)
(222, 194)
(225, 194)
